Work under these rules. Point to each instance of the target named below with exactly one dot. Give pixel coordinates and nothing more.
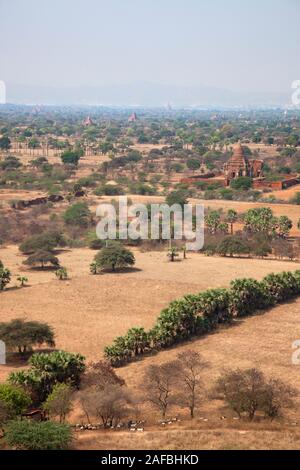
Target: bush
(46, 241)
(30, 435)
(15, 399)
(5, 276)
(243, 182)
(23, 336)
(71, 157)
(78, 215)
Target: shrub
(61, 274)
(23, 336)
(15, 398)
(243, 182)
(71, 157)
(30, 435)
(78, 215)
(46, 241)
(5, 276)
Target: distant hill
(143, 94)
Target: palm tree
(173, 253)
(231, 218)
(22, 280)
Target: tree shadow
(15, 359)
(121, 271)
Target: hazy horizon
(130, 52)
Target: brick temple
(239, 165)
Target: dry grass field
(87, 312)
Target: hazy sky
(244, 45)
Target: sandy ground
(286, 194)
(16, 194)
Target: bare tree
(190, 367)
(111, 404)
(100, 374)
(277, 396)
(248, 391)
(159, 385)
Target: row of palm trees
(201, 313)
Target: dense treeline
(201, 313)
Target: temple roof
(238, 155)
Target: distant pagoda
(132, 118)
(88, 121)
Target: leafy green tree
(48, 369)
(58, 402)
(5, 276)
(193, 164)
(261, 220)
(23, 336)
(114, 256)
(45, 435)
(78, 215)
(71, 157)
(15, 398)
(177, 197)
(42, 258)
(5, 143)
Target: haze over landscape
(144, 53)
